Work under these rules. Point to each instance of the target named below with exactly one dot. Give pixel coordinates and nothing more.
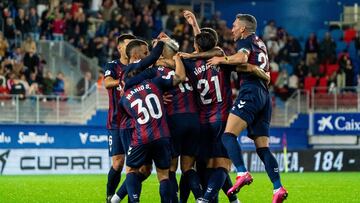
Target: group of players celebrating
(165, 106)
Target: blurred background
(53, 105)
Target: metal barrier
(49, 109)
(297, 103)
(345, 99)
(62, 56)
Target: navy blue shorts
(125, 136)
(211, 142)
(114, 141)
(157, 151)
(185, 134)
(253, 105)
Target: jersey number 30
(147, 110)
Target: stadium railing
(49, 109)
(297, 103)
(62, 56)
(346, 99)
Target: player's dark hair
(123, 37)
(250, 21)
(134, 44)
(205, 41)
(212, 32)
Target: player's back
(184, 98)
(115, 70)
(214, 91)
(258, 55)
(143, 102)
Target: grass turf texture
(303, 187)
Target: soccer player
(213, 86)
(252, 109)
(113, 72)
(150, 141)
(127, 124)
(184, 124)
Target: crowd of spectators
(92, 27)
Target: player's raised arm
(191, 19)
(180, 74)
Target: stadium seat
(337, 34)
(309, 83)
(331, 68)
(340, 46)
(273, 77)
(322, 84)
(352, 50)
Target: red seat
(331, 68)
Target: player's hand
(177, 56)
(162, 35)
(190, 17)
(185, 55)
(167, 98)
(216, 60)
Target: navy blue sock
(216, 181)
(133, 186)
(234, 151)
(113, 181)
(184, 189)
(227, 185)
(122, 192)
(194, 183)
(165, 191)
(202, 172)
(271, 165)
(174, 187)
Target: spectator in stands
(84, 84)
(100, 80)
(48, 83)
(58, 27)
(294, 50)
(34, 84)
(4, 45)
(357, 43)
(327, 49)
(59, 85)
(22, 23)
(284, 65)
(31, 61)
(346, 71)
(293, 84)
(332, 83)
(34, 23)
(17, 88)
(314, 67)
(301, 72)
(270, 31)
(10, 31)
(170, 23)
(311, 48)
(281, 85)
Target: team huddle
(167, 107)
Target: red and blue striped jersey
(143, 102)
(214, 90)
(257, 55)
(184, 98)
(115, 70)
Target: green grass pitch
(302, 187)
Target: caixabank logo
(3, 159)
(339, 124)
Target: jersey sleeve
(110, 70)
(244, 46)
(188, 65)
(144, 75)
(163, 82)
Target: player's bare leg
(271, 166)
(191, 176)
(234, 126)
(165, 185)
(172, 178)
